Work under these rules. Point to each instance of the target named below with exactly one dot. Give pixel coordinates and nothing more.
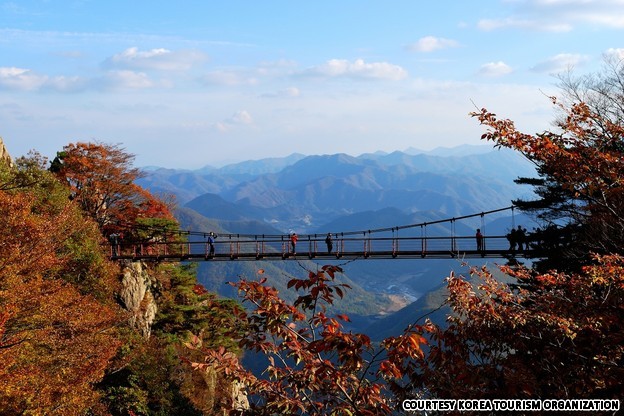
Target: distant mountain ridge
(460, 150)
(302, 193)
(258, 167)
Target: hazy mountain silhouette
(262, 166)
(316, 190)
(475, 181)
(460, 150)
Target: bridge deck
(246, 249)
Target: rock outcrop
(5, 157)
(137, 296)
(239, 397)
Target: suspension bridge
(427, 240)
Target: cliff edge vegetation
(80, 334)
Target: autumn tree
(578, 188)
(547, 333)
(65, 343)
(314, 366)
(102, 180)
(56, 339)
(562, 338)
(147, 377)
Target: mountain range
(303, 194)
(339, 192)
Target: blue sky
(186, 84)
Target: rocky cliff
(4, 153)
(137, 296)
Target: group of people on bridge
(517, 237)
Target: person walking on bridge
(211, 241)
(513, 240)
(479, 238)
(293, 243)
(329, 242)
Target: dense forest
(80, 334)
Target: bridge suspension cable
(393, 229)
(376, 243)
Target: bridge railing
(312, 246)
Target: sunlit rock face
(5, 157)
(136, 296)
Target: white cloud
(241, 117)
(573, 4)
(558, 15)
(274, 70)
(228, 78)
(495, 69)
(617, 53)
(66, 84)
(127, 80)
(358, 69)
(22, 79)
(290, 92)
(432, 43)
(222, 127)
(611, 20)
(529, 24)
(560, 63)
(155, 59)
(595, 12)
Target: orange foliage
(585, 159)
(102, 181)
(561, 337)
(315, 366)
(55, 343)
(544, 336)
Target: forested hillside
(80, 334)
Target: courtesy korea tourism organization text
(511, 405)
